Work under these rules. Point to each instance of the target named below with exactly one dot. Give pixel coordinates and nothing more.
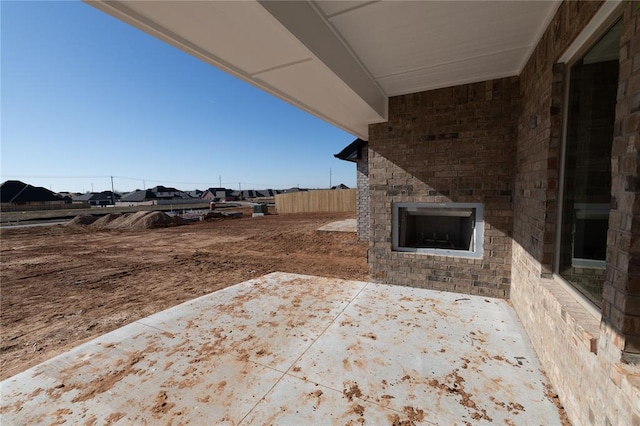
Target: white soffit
(242, 38)
(342, 60)
(411, 46)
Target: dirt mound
(106, 220)
(153, 220)
(83, 219)
(211, 216)
(128, 220)
(178, 220)
(136, 221)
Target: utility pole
(91, 186)
(113, 194)
(219, 181)
(144, 184)
(329, 178)
(240, 186)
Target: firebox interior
(447, 229)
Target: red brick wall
(448, 145)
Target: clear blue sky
(85, 96)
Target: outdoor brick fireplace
(446, 229)
(441, 189)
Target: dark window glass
(587, 166)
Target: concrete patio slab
(347, 225)
(296, 349)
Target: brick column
(621, 305)
(363, 195)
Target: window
(586, 186)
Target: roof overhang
(352, 152)
(341, 61)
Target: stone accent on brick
(362, 201)
(448, 145)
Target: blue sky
(85, 96)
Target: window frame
(602, 22)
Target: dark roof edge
(352, 152)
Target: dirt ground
(61, 286)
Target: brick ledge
(584, 326)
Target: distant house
(138, 196)
(68, 195)
(341, 186)
(159, 195)
(104, 198)
(167, 193)
(255, 193)
(357, 152)
(269, 192)
(16, 193)
(295, 189)
(244, 194)
(218, 194)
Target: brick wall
(581, 355)
(565, 338)
(499, 142)
(363, 195)
(448, 145)
(621, 305)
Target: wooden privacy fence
(322, 200)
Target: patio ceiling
(341, 61)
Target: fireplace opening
(452, 229)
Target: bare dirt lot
(61, 286)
